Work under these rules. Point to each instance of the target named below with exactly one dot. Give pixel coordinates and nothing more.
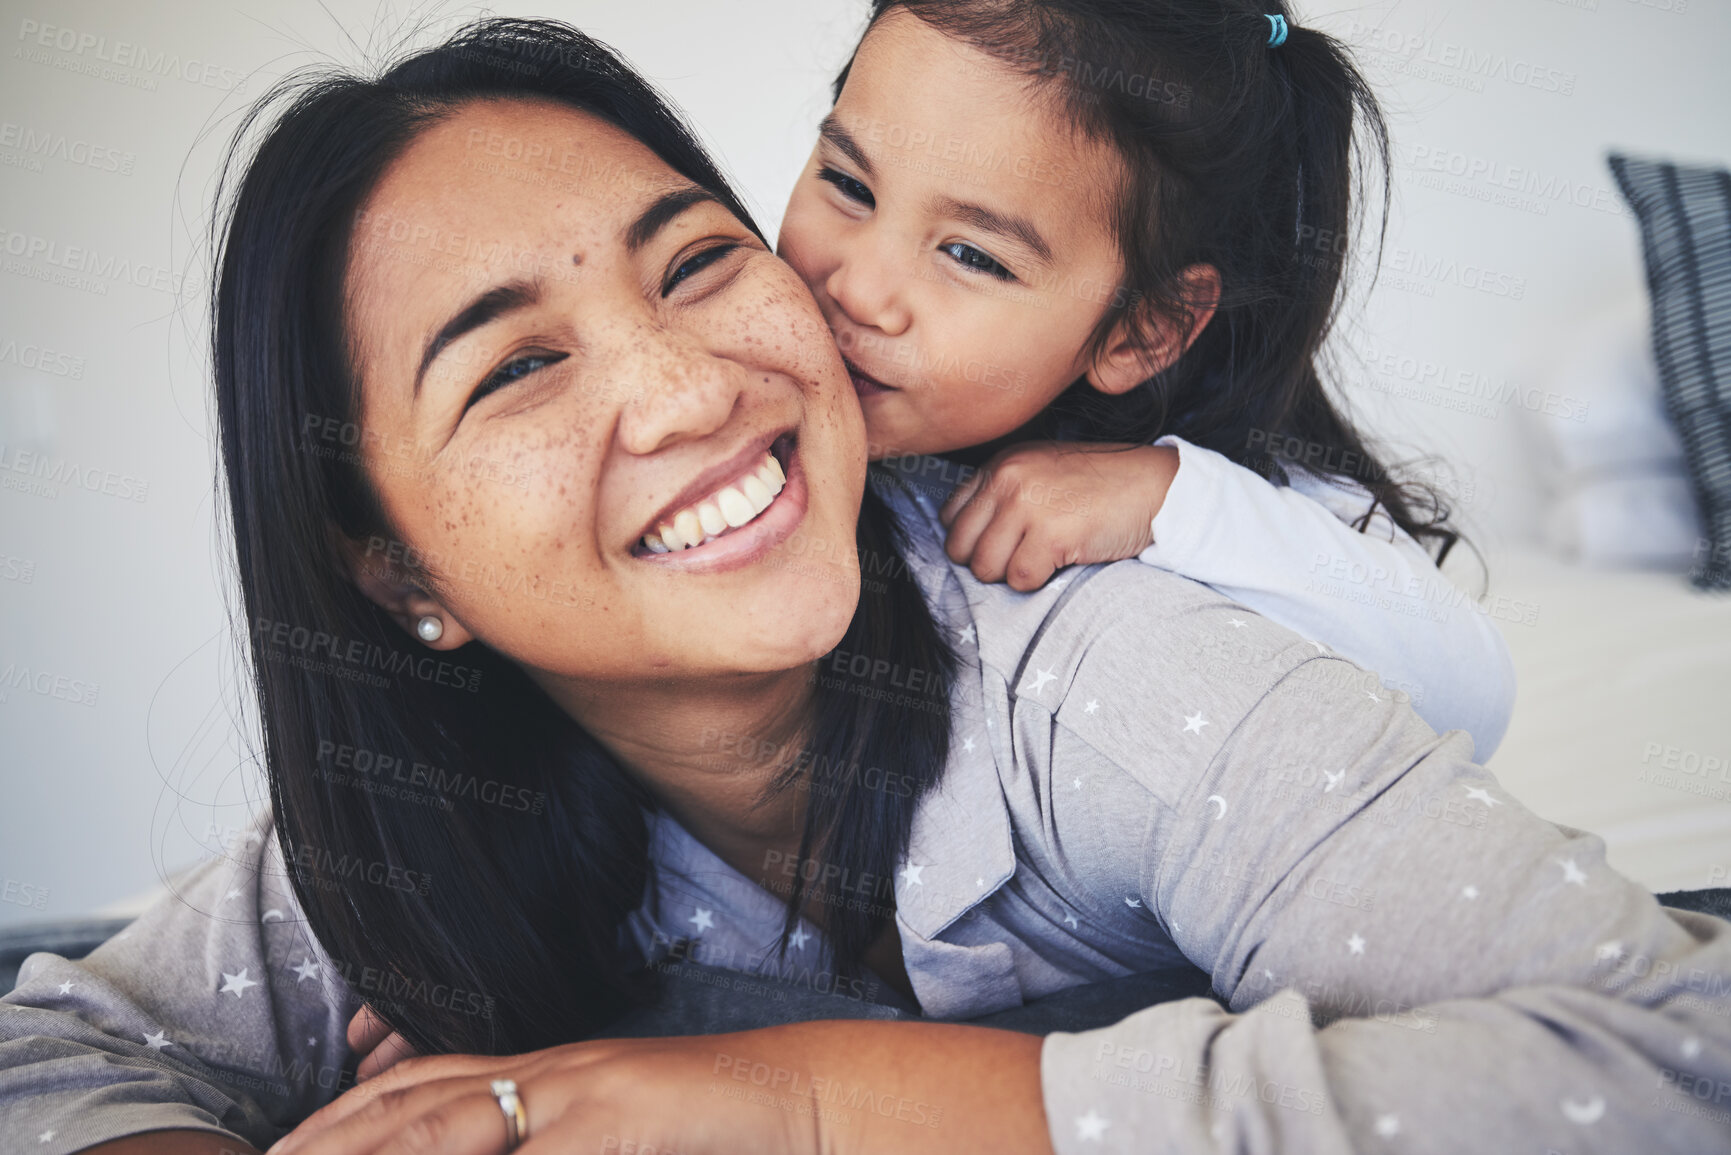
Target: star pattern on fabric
(1093, 706)
(1041, 677)
(1091, 1127)
(1571, 872)
(1388, 1126)
(1077, 782)
(968, 745)
(236, 984)
(233, 893)
(911, 874)
(158, 1041)
(966, 633)
(1193, 723)
(1371, 694)
(1070, 921)
(1133, 903)
(1612, 951)
(1058, 584)
(1480, 794)
(703, 919)
(45, 1137)
(306, 969)
(1355, 944)
(1333, 780)
(66, 987)
(799, 938)
(1237, 623)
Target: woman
(537, 327)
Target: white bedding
(1621, 674)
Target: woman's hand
(835, 1088)
(1043, 505)
(621, 1095)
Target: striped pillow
(1685, 216)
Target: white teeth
(734, 506)
(757, 493)
(689, 528)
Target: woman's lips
(863, 383)
(738, 545)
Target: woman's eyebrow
(663, 211)
(488, 307)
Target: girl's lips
(864, 384)
(740, 547)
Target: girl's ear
(388, 583)
(1146, 342)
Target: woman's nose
(680, 391)
(869, 284)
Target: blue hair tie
(1276, 31)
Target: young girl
(1049, 232)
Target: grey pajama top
(1141, 771)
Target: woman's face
(563, 347)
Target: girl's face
(564, 346)
(955, 230)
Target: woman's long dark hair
(1239, 155)
(465, 853)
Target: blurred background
(1505, 344)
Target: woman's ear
(1146, 342)
(380, 573)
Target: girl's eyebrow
(844, 143)
(1006, 225)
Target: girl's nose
(868, 286)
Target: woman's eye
(512, 372)
(970, 257)
(850, 188)
(695, 264)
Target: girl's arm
(1375, 597)
(1287, 553)
(214, 1012)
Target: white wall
(121, 589)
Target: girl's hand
(616, 1095)
(379, 1047)
(1043, 505)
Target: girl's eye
(695, 264)
(967, 255)
(512, 372)
(850, 188)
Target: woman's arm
(1414, 960)
(823, 1088)
(214, 1012)
(1375, 598)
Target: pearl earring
(430, 628)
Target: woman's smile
(734, 522)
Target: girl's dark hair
(1239, 155)
(465, 853)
